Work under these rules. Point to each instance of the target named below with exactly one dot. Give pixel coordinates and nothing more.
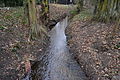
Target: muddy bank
(93, 48)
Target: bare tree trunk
(33, 18)
(35, 22)
(107, 10)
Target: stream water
(60, 65)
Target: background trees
(104, 10)
(107, 10)
(11, 3)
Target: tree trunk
(80, 5)
(31, 12)
(34, 18)
(108, 10)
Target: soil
(95, 49)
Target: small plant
(8, 17)
(2, 27)
(118, 46)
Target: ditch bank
(94, 49)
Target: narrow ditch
(57, 63)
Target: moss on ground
(83, 15)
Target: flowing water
(60, 65)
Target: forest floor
(94, 47)
(90, 41)
(15, 48)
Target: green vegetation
(73, 12)
(18, 13)
(11, 3)
(2, 27)
(84, 15)
(117, 46)
(12, 18)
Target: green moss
(84, 15)
(73, 12)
